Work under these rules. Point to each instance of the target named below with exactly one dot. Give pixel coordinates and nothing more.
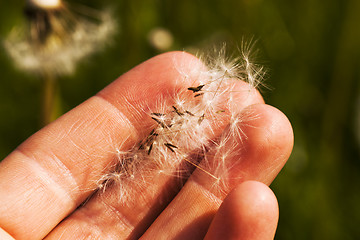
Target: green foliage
(312, 49)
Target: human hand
(45, 181)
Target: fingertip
(250, 211)
(274, 125)
(269, 142)
(256, 200)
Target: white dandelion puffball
(201, 123)
(55, 38)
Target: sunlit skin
(45, 180)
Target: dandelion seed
(189, 113)
(158, 114)
(177, 111)
(158, 121)
(150, 148)
(170, 146)
(201, 119)
(196, 89)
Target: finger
(262, 154)
(249, 212)
(56, 169)
(4, 235)
(146, 200)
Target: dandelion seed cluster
(202, 123)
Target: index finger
(56, 169)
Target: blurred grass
(312, 48)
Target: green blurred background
(312, 49)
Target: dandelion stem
(50, 99)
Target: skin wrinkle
(76, 125)
(83, 150)
(125, 121)
(79, 125)
(136, 113)
(60, 137)
(135, 131)
(102, 139)
(209, 195)
(69, 177)
(124, 221)
(45, 184)
(91, 224)
(89, 231)
(134, 136)
(126, 103)
(66, 172)
(61, 235)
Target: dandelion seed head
(56, 39)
